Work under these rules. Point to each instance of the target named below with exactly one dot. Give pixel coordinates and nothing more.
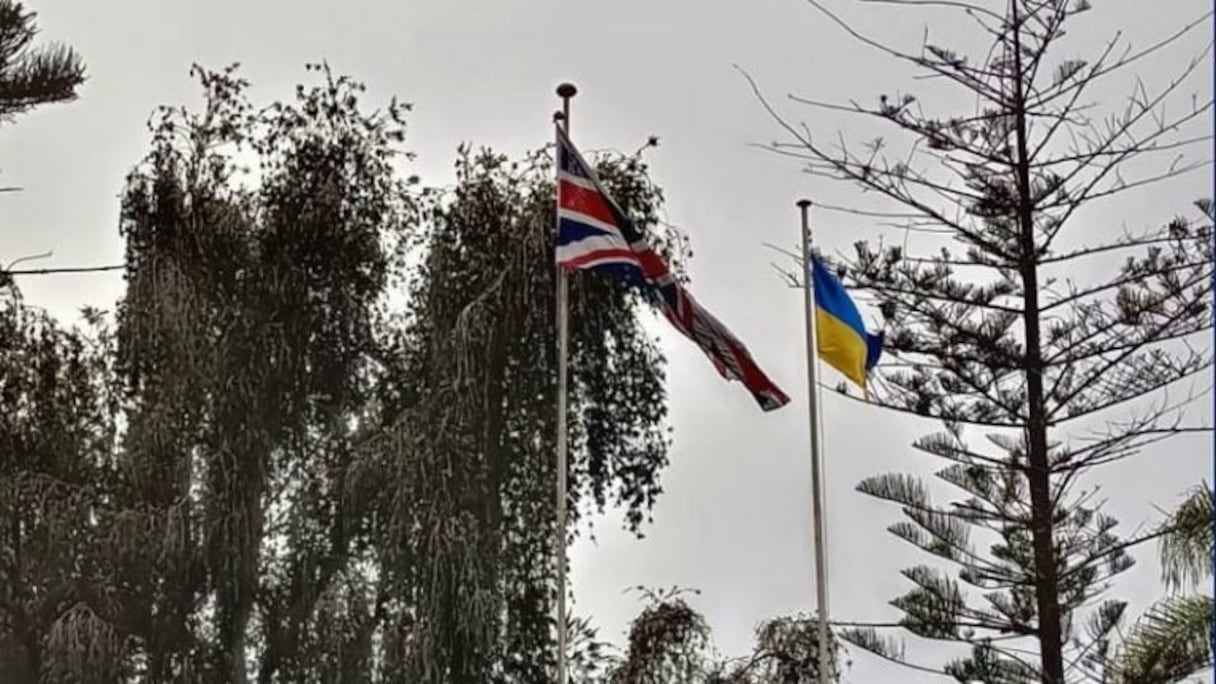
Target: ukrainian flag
(842, 338)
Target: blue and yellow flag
(843, 341)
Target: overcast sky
(734, 520)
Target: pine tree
(1026, 327)
(29, 75)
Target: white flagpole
(565, 91)
(819, 528)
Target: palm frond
(1171, 641)
(1186, 548)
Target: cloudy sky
(734, 521)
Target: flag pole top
(566, 91)
(804, 203)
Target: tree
(246, 346)
(271, 469)
(669, 641)
(32, 76)
(1026, 326)
(57, 433)
(1174, 638)
(478, 421)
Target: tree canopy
(315, 441)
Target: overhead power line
(54, 271)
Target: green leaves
(1186, 547)
(992, 665)
(247, 342)
(1172, 641)
(670, 642)
(480, 344)
(667, 642)
(32, 76)
(935, 608)
(869, 639)
(57, 499)
(349, 484)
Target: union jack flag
(593, 233)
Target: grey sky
(734, 521)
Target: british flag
(593, 233)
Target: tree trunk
(1039, 474)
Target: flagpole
(565, 91)
(819, 529)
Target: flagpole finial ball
(804, 203)
(566, 90)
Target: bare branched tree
(1059, 339)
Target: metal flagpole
(565, 91)
(819, 529)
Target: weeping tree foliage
(669, 642)
(465, 514)
(316, 444)
(1044, 347)
(247, 342)
(1173, 639)
(32, 75)
(57, 435)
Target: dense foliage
(670, 643)
(315, 443)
